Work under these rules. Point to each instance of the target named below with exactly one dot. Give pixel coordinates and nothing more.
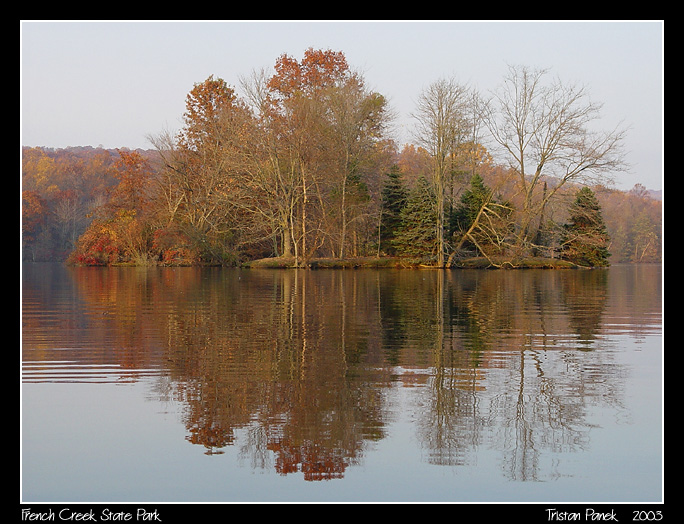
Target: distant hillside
(64, 189)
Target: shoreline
(406, 263)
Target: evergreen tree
(471, 201)
(493, 223)
(585, 239)
(417, 233)
(394, 196)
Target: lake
(237, 385)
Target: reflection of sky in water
(126, 439)
(140, 445)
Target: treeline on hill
(303, 169)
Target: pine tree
(471, 201)
(394, 196)
(477, 204)
(417, 233)
(585, 239)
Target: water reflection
(305, 370)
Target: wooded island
(302, 171)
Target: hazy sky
(115, 83)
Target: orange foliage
(205, 105)
(134, 174)
(172, 247)
(33, 214)
(316, 70)
(303, 180)
(120, 233)
(97, 246)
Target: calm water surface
(186, 384)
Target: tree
(34, 217)
(134, 175)
(442, 126)
(316, 70)
(413, 162)
(70, 183)
(646, 242)
(480, 220)
(271, 166)
(355, 121)
(200, 181)
(472, 200)
(546, 131)
(394, 195)
(121, 231)
(319, 127)
(297, 112)
(417, 235)
(585, 238)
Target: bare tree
(442, 125)
(356, 120)
(273, 167)
(546, 131)
(70, 219)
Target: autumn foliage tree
(200, 183)
(121, 229)
(303, 166)
(60, 189)
(307, 102)
(34, 215)
(319, 133)
(634, 222)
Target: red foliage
(97, 246)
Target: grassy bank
(333, 263)
(406, 263)
(525, 263)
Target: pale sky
(92, 83)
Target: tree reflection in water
(301, 369)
